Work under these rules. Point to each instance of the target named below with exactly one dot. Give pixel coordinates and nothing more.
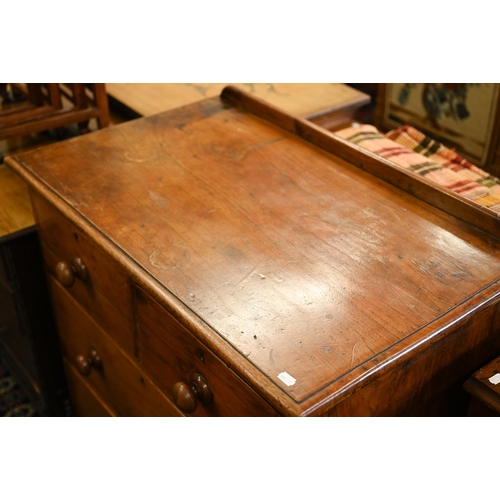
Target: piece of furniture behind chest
(28, 341)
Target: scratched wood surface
(304, 263)
(300, 99)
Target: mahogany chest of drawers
(227, 259)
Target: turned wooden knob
(94, 359)
(66, 273)
(186, 396)
(84, 364)
(201, 389)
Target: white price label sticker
(495, 379)
(286, 378)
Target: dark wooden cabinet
(226, 258)
(28, 341)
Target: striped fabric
(424, 156)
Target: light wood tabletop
(299, 99)
(16, 213)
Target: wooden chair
(52, 106)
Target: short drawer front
(116, 379)
(104, 291)
(173, 356)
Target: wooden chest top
(314, 272)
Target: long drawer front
(103, 368)
(198, 382)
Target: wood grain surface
(304, 264)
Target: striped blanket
(424, 156)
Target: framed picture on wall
(463, 116)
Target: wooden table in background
(15, 206)
(331, 105)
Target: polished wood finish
(95, 359)
(186, 396)
(66, 273)
(253, 251)
(201, 389)
(185, 368)
(44, 109)
(418, 186)
(331, 105)
(437, 368)
(83, 365)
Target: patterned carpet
(13, 399)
